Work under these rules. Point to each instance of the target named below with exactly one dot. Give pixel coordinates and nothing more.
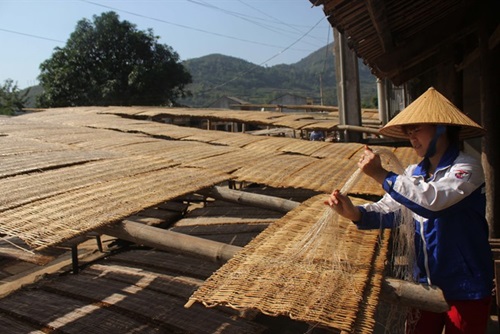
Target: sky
(264, 32)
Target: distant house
(227, 102)
(291, 99)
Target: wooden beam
(171, 241)
(394, 291)
(314, 107)
(490, 103)
(355, 128)
(420, 296)
(429, 41)
(346, 65)
(378, 16)
(494, 39)
(497, 276)
(256, 200)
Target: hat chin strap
(431, 150)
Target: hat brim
(466, 132)
(432, 108)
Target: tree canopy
(11, 98)
(111, 62)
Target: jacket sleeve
(378, 214)
(443, 192)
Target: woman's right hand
(343, 206)
(371, 165)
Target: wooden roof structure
(400, 40)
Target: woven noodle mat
(334, 282)
(274, 170)
(55, 219)
(29, 188)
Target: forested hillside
(217, 75)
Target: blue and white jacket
(451, 239)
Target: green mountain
(215, 76)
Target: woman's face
(420, 136)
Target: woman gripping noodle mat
(445, 195)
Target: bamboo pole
(394, 291)
(357, 128)
(419, 296)
(142, 234)
(256, 200)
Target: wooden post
(420, 296)
(74, 258)
(497, 296)
(394, 291)
(383, 111)
(360, 129)
(490, 105)
(256, 200)
(349, 100)
(154, 237)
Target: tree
(110, 62)
(11, 98)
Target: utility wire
(195, 29)
(326, 51)
(274, 18)
(241, 74)
(181, 25)
(30, 35)
(244, 17)
(150, 18)
(252, 19)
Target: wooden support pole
(497, 292)
(347, 86)
(420, 296)
(490, 103)
(142, 234)
(356, 128)
(394, 291)
(74, 259)
(256, 200)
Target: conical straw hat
(432, 108)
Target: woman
(445, 193)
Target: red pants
(464, 316)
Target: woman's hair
(453, 134)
